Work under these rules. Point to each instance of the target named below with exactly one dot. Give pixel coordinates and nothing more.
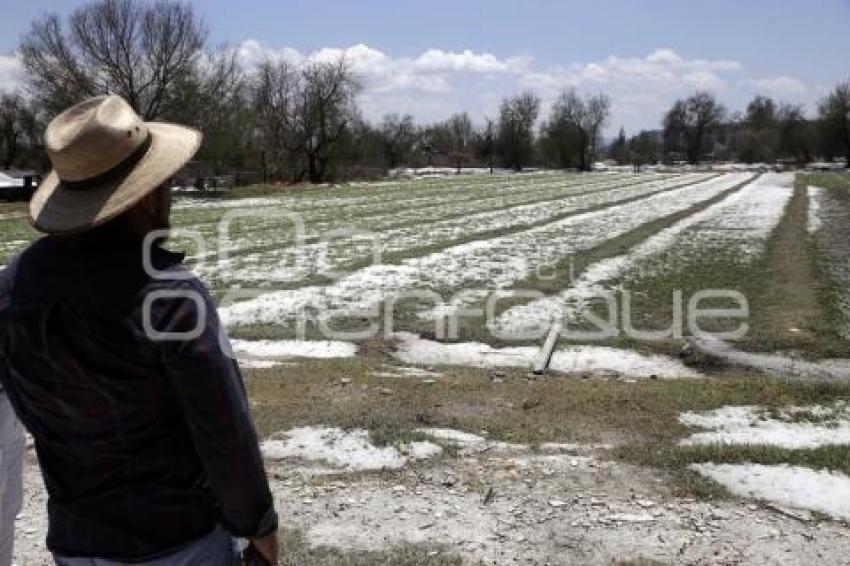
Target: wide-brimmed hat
(105, 160)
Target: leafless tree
(486, 143)
(135, 49)
(834, 113)
(459, 127)
(303, 113)
(517, 116)
(273, 98)
(795, 139)
(325, 104)
(586, 117)
(690, 122)
(398, 134)
(20, 131)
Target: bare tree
(303, 114)
(20, 132)
(485, 142)
(324, 105)
(689, 123)
(11, 106)
(135, 49)
(273, 96)
(398, 134)
(643, 149)
(517, 116)
(460, 130)
(586, 118)
(794, 133)
(834, 114)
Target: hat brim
(57, 209)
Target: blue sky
(432, 58)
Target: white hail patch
(814, 221)
(816, 490)
(260, 353)
(776, 364)
(566, 306)
(348, 450)
(573, 359)
(749, 425)
(495, 263)
(415, 226)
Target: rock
(345, 381)
(556, 503)
(385, 391)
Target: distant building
(16, 184)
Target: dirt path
(545, 508)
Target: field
(386, 332)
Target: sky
(432, 58)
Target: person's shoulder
(176, 287)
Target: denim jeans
(218, 548)
(12, 445)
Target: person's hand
(265, 548)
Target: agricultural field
(387, 330)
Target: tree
(20, 132)
(398, 134)
(794, 134)
(834, 115)
(460, 130)
(584, 117)
(517, 116)
(690, 122)
(761, 113)
(135, 49)
(11, 109)
(303, 114)
(560, 144)
(644, 149)
(485, 143)
(272, 100)
(757, 135)
(619, 150)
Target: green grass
(839, 181)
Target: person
(12, 444)
(112, 355)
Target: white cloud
(429, 72)
(436, 82)
(11, 72)
(663, 70)
(781, 85)
(436, 60)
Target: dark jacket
(144, 444)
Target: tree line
(302, 121)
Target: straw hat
(105, 160)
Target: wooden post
(544, 356)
